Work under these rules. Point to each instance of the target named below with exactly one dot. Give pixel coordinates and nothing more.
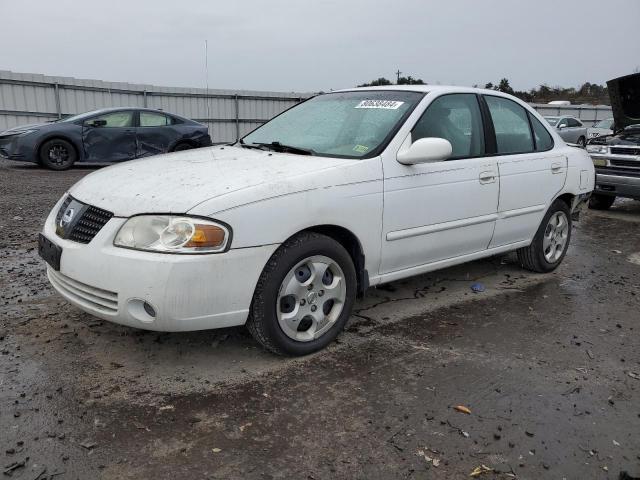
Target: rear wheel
(57, 154)
(601, 202)
(304, 295)
(551, 241)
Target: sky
(308, 46)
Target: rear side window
(511, 125)
(543, 137)
(455, 117)
(150, 119)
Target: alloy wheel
(555, 237)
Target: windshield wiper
(279, 147)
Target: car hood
(22, 128)
(624, 93)
(177, 182)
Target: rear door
(531, 172)
(110, 137)
(155, 133)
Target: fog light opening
(149, 309)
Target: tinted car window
(511, 125)
(563, 123)
(150, 119)
(573, 122)
(116, 119)
(456, 118)
(541, 134)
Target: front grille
(625, 151)
(625, 163)
(87, 296)
(80, 222)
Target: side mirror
(97, 123)
(424, 150)
(560, 127)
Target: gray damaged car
(108, 135)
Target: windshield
(346, 124)
(81, 116)
(604, 124)
(552, 120)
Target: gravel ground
(548, 365)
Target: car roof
(427, 89)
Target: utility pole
(398, 76)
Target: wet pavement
(548, 365)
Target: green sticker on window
(360, 148)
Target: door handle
(487, 177)
(556, 167)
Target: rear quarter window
(543, 138)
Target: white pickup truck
(282, 230)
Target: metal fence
(588, 114)
(33, 98)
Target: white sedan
(284, 229)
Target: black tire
(582, 142)
(601, 202)
(57, 154)
(263, 320)
(182, 146)
(533, 257)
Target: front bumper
(187, 292)
(14, 148)
(619, 181)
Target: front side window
(116, 119)
(455, 117)
(573, 122)
(511, 124)
(151, 119)
(343, 124)
(543, 137)
(563, 123)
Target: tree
(488, 86)
(504, 86)
(401, 81)
(376, 83)
(410, 81)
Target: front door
(531, 173)
(441, 210)
(110, 137)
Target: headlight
(597, 148)
(173, 234)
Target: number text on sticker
(386, 104)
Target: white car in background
(602, 127)
(283, 230)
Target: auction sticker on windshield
(386, 104)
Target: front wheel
(582, 142)
(551, 241)
(304, 295)
(57, 154)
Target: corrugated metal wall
(31, 98)
(588, 114)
